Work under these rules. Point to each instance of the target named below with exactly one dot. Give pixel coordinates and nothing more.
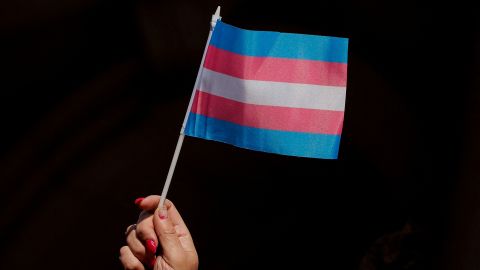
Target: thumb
(167, 236)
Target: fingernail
(138, 200)
(151, 264)
(162, 213)
(151, 247)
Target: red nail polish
(151, 264)
(138, 200)
(162, 214)
(151, 247)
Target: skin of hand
(163, 228)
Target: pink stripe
(268, 117)
(276, 69)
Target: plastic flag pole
(213, 22)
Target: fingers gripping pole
(215, 17)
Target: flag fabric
(274, 92)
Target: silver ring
(131, 228)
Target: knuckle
(168, 203)
(145, 232)
(124, 250)
(169, 231)
(140, 233)
(138, 251)
(127, 261)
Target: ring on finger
(131, 228)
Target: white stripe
(281, 94)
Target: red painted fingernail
(138, 200)
(151, 247)
(162, 213)
(151, 264)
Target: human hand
(162, 228)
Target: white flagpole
(213, 22)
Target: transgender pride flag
(273, 92)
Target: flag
(274, 92)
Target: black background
(93, 94)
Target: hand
(164, 229)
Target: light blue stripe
(272, 141)
(282, 45)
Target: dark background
(93, 94)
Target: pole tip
(215, 17)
